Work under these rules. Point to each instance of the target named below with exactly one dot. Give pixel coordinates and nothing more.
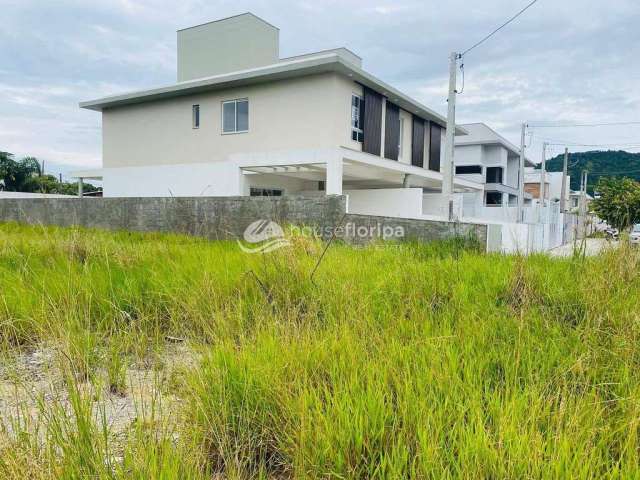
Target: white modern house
(240, 120)
(486, 157)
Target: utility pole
(521, 174)
(582, 209)
(448, 168)
(563, 192)
(543, 170)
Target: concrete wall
(4, 194)
(211, 217)
(361, 229)
(228, 217)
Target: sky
(561, 62)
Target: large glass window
(468, 169)
(357, 118)
(235, 116)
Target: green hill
(598, 164)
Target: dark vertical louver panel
(372, 122)
(434, 147)
(417, 142)
(391, 131)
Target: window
(235, 116)
(195, 116)
(494, 174)
(265, 192)
(468, 169)
(493, 199)
(401, 128)
(357, 118)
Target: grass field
(156, 356)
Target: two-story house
(486, 157)
(242, 121)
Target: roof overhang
(323, 63)
(87, 174)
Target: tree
(16, 174)
(26, 175)
(619, 201)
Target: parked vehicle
(634, 236)
(612, 233)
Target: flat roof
(482, 134)
(245, 14)
(331, 61)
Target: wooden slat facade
(417, 142)
(435, 141)
(372, 127)
(391, 131)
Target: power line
(596, 145)
(571, 143)
(498, 29)
(585, 125)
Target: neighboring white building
(243, 121)
(486, 157)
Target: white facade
(484, 156)
(296, 127)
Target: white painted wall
(405, 156)
(511, 175)
(387, 202)
(181, 180)
(229, 45)
(303, 113)
(436, 205)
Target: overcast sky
(572, 61)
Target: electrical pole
(541, 193)
(449, 145)
(563, 192)
(583, 204)
(542, 173)
(521, 174)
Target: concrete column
(333, 185)
(80, 187)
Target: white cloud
(561, 61)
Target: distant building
(553, 185)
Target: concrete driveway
(593, 247)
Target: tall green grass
(404, 361)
